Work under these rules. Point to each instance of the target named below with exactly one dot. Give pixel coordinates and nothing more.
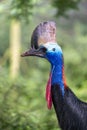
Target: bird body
(70, 111)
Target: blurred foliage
(22, 105)
(63, 6)
(22, 102)
(18, 9)
(21, 9)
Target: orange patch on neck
(63, 76)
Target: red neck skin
(63, 77)
(48, 92)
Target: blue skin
(54, 55)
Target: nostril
(44, 49)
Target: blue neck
(57, 75)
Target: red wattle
(48, 93)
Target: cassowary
(70, 111)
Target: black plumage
(70, 111)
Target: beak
(40, 52)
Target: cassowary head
(43, 42)
(44, 45)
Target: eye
(53, 49)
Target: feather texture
(70, 111)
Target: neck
(58, 76)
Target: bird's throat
(56, 76)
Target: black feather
(70, 111)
